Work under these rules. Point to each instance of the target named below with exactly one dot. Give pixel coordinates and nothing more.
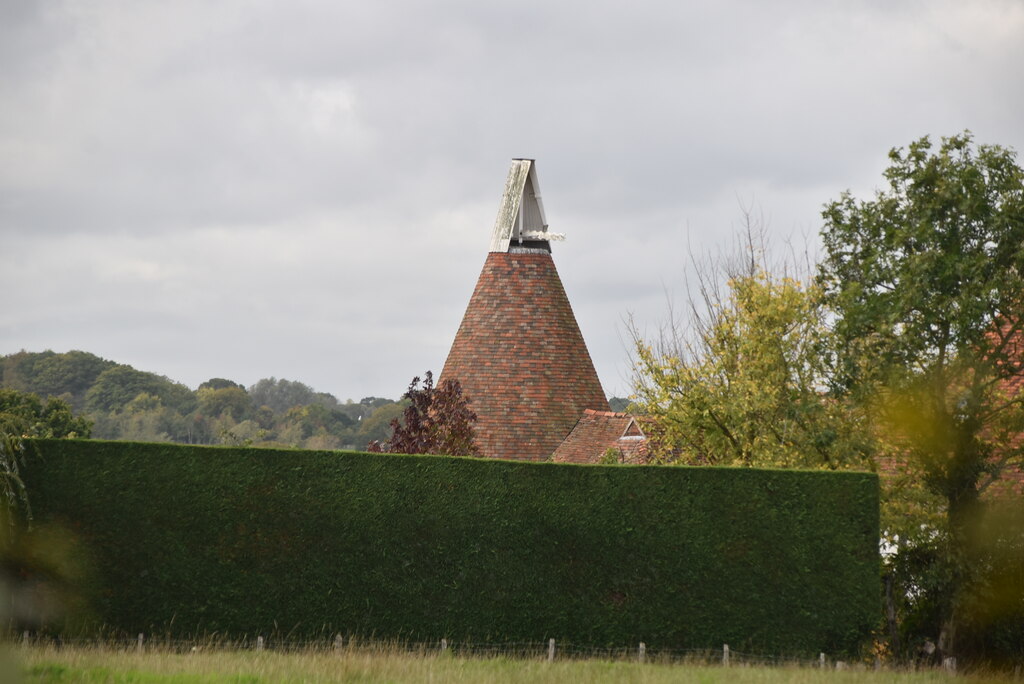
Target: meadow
(37, 664)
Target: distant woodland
(124, 403)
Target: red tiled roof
(1009, 482)
(597, 432)
(1011, 478)
(521, 359)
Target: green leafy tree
(619, 404)
(220, 383)
(316, 426)
(18, 370)
(117, 386)
(365, 408)
(926, 281)
(146, 419)
(49, 374)
(232, 400)
(742, 382)
(13, 495)
(436, 421)
(281, 395)
(23, 414)
(376, 427)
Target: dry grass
(100, 664)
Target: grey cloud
(319, 179)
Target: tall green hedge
(188, 540)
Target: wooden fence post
(821, 660)
(259, 643)
(642, 655)
(339, 641)
(139, 647)
(444, 646)
(725, 654)
(551, 650)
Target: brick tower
(519, 353)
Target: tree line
(116, 401)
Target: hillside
(130, 404)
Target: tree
(23, 414)
(377, 425)
(230, 399)
(49, 374)
(281, 395)
(436, 421)
(315, 426)
(69, 374)
(618, 404)
(926, 282)
(220, 383)
(742, 383)
(366, 407)
(117, 386)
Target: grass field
(90, 664)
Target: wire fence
(550, 650)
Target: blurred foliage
(37, 563)
(925, 283)
(42, 571)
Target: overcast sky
(306, 189)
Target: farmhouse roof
(602, 434)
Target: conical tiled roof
(521, 359)
(519, 354)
